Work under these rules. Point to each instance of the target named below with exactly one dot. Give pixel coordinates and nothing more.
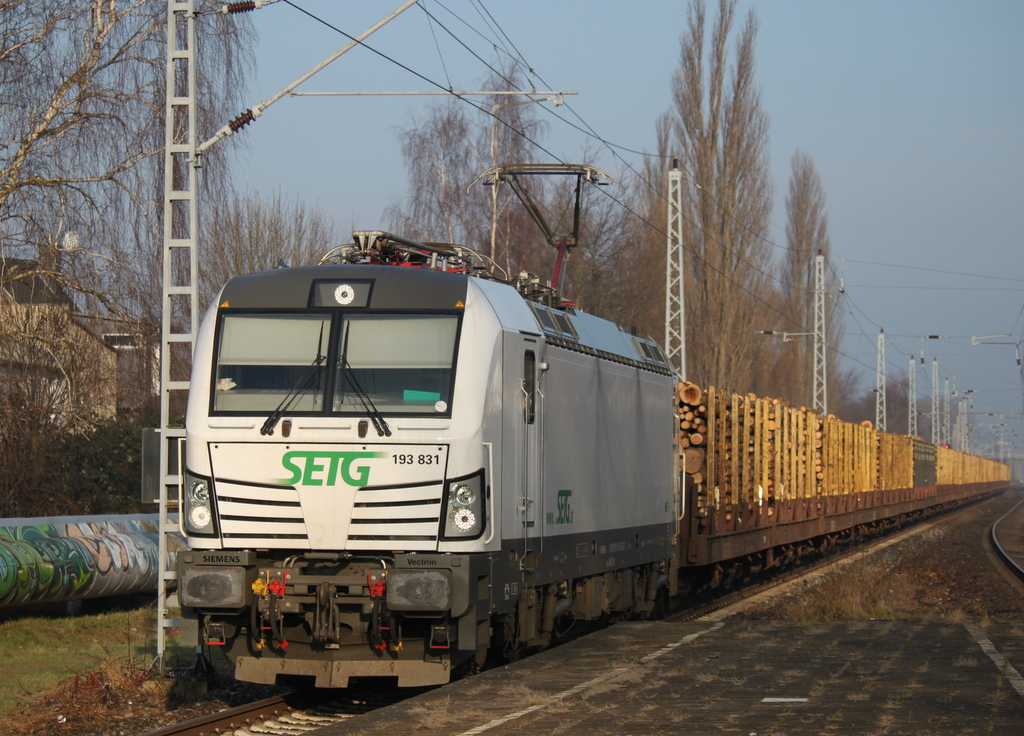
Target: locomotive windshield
(403, 362)
(313, 363)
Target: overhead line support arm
(251, 114)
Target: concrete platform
(737, 676)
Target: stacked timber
(693, 430)
(693, 438)
(750, 457)
(747, 453)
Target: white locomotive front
(392, 468)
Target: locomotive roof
(397, 287)
(394, 287)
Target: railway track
(1007, 539)
(237, 718)
(302, 712)
(292, 714)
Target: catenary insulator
(241, 121)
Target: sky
(912, 110)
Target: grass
(39, 651)
(56, 665)
(844, 597)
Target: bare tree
(806, 238)
(69, 127)
(859, 405)
(441, 165)
(57, 378)
(81, 133)
(256, 234)
(447, 152)
(81, 179)
(720, 133)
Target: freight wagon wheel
(716, 577)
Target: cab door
(533, 496)
(523, 444)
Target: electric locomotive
(396, 461)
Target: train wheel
(479, 660)
(660, 608)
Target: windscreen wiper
(296, 390)
(379, 423)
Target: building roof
(25, 283)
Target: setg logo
(564, 507)
(323, 468)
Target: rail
(234, 718)
(1003, 555)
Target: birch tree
(81, 137)
(81, 183)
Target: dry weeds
(615, 684)
(843, 597)
(432, 717)
(114, 687)
(955, 616)
(562, 727)
(525, 696)
(885, 720)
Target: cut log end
(689, 393)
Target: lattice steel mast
(675, 305)
(180, 306)
(180, 297)
(820, 373)
(880, 384)
(912, 398)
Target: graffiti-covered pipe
(49, 560)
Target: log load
(746, 454)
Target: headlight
(464, 495)
(198, 511)
(419, 590)
(200, 517)
(199, 492)
(464, 519)
(212, 587)
(464, 508)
